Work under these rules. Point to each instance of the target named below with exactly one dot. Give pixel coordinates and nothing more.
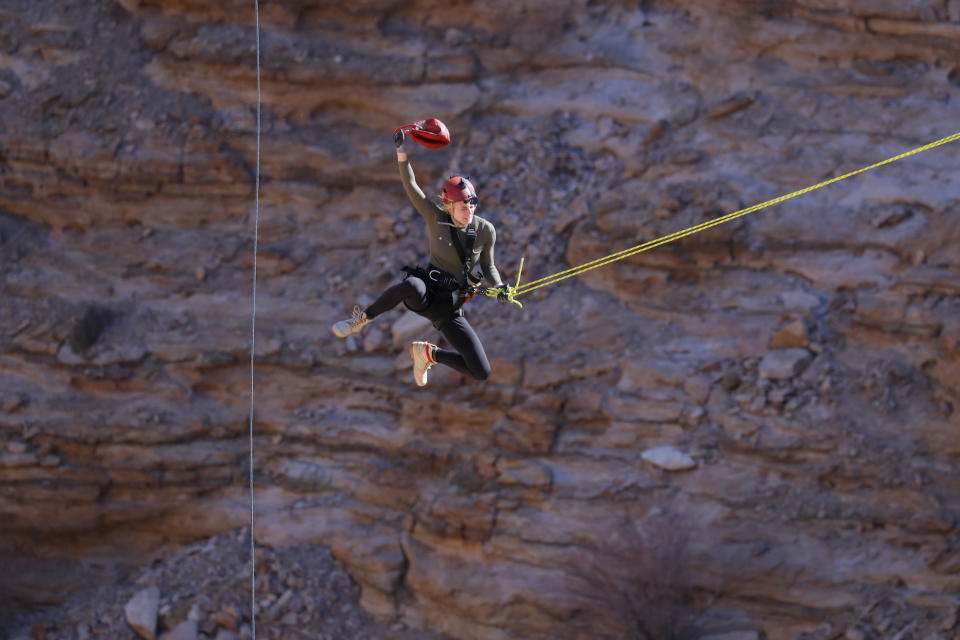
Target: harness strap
(466, 254)
(438, 280)
(433, 277)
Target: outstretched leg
(413, 291)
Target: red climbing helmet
(430, 132)
(459, 189)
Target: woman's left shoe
(354, 324)
(422, 354)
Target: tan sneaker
(352, 325)
(422, 354)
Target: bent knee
(416, 284)
(481, 373)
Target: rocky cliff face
(751, 432)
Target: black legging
(469, 357)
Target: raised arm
(420, 202)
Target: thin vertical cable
(253, 330)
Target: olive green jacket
(442, 252)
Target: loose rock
(791, 335)
(782, 364)
(669, 458)
(186, 630)
(141, 612)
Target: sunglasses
(474, 200)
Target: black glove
(502, 296)
(398, 138)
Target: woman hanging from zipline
(458, 241)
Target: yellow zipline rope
(640, 248)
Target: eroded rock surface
(805, 356)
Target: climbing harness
(646, 246)
(436, 278)
(465, 253)
(446, 295)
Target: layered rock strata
(795, 373)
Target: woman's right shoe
(352, 325)
(422, 354)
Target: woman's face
(462, 213)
